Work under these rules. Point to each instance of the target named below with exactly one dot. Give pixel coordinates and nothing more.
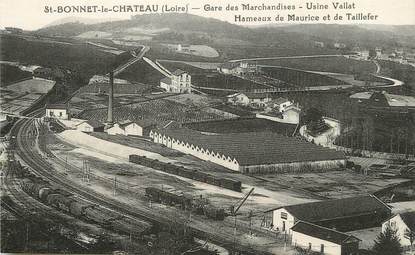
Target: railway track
(26, 151)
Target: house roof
(293, 108)
(179, 72)
(142, 123)
(56, 106)
(336, 208)
(92, 123)
(166, 80)
(409, 219)
(362, 95)
(255, 148)
(280, 100)
(398, 100)
(323, 233)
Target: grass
(10, 74)
(325, 64)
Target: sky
(30, 14)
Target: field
(300, 78)
(325, 64)
(161, 111)
(82, 59)
(19, 96)
(222, 81)
(10, 74)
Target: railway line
(24, 148)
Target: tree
(387, 243)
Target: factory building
(133, 128)
(346, 214)
(254, 152)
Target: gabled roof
(323, 233)
(142, 123)
(56, 106)
(179, 72)
(166, 80)
(92, 123)
(336, 208)
(280, 100)
(256, 148)
(409, 219)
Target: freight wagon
(165, 197)
(188, 173)
(63, 200)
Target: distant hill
(82, 20)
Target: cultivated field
(35, 85)
(222, 81)
(325, 64)
(10, 74)
(161, 111)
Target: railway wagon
(168, 198)
(59, 201)
(131, 226)
(100, 215)
(231, 184)
(214, 212)
(78, 207)
(185, 172)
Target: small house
(58, 111)
(90, 126)
(327, 241)
(279, 104)
(133, 128)
(179, 82)
(253, 99)
(404, 224)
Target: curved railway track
(24, 148)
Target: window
(60, 114)
(309, 246)
(284, 215)
(322, 248)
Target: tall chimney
(110, 119)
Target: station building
(253, 152)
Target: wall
(134, 129)
(84, 127)
(56, 113)
(115, 130)
(277, 221)
(301, 240)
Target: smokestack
(110, 119)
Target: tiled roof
(256, 148)
(323, 233)
(337, 208)
(179, 72)
(166, 80)
(94, 123)
(56, 106)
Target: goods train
(66, 202)
(184, 202)
(185, 172)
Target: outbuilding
(58, 111)
(327, 241)
(90, 126)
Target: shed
(90, 126)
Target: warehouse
(323, 240)
(255, 152)
(344, 214)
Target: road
(41, 167)
(133, 60)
